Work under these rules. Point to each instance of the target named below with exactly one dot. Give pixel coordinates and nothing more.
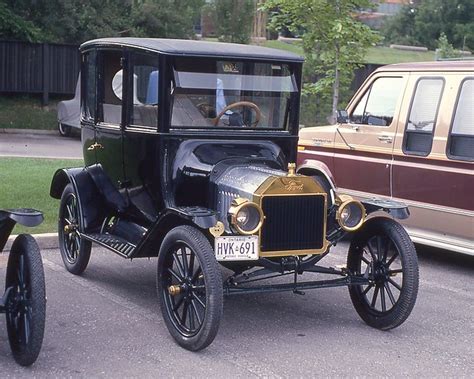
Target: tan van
(408, 134)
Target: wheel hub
(380, 273)
(70, 228)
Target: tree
(234, 19)
(15, 27)
(334, 42)
(423, 22)
(76, 21)
(165, 18)
(445, 49)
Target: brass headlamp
(245, 216)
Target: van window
(461, 139)
(421, 121)
(378, 104)
(145, 90)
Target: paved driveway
(107, 324)
(39, 146)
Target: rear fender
(88, 196)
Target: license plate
(236, 248)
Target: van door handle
(95, 146)
(385, 139)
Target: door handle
(95, 146)
(385, 139)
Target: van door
(432, 168)
(363, 147)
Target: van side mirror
(342, 116)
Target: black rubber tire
(26, 275)
(64, 130)
(75, 251)
(392, 254)
(193, 242)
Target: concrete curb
(28, 131)
(45, 241)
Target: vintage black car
(189, 151)
(24, 300)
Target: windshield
(231, 94)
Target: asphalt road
(107, 323)
(39, 146)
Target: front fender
(393, 208)
(312, 167)
(199, 217)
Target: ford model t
(189, 149)
(24, 300)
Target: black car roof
(196, 48)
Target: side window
(145, 90)
(421, 121)
(110, 87)
(461, 139)
(377, 106)
(89, 85)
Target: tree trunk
(335, 91)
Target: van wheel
(383, 251)
(189, 284)
(64, 130)
(26, 303)
(75, 251)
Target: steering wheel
(258, 112)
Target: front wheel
(189, 284)
(383, 252)
(26, 306)
(75, 251)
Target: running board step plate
(116, 244)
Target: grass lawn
(26, 113)
(376, 55)
(25, 183)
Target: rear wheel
(383, 251)
(75, 251)
(190, 288)
(26, 306)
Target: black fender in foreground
(200, 217)
(22, 216)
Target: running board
(117, 244)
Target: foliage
(445, 49)
(234, 20)
(13, 26)
(165, 18)
(33, 177)
(422, 23)
(75, 21)
(21, 112)
(334, 42)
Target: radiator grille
(293, 223)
